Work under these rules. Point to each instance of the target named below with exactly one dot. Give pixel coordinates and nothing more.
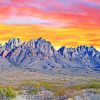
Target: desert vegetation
(34, 87)
(34, 84)
(53, 89)
(7, 92)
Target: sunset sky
(62, 22)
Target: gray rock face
(1, 49)
(4, 62)
(12, 43)
(29, 51)
(40, 54)
(86, 56)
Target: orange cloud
(70, 37)
(67, 22)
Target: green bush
(8, 92)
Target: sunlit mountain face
(40, 55)
(62, 22)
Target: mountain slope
(4, 63)
(40, 55)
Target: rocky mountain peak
(62, 49)
(40, 53)
(44, 46)
(12, 43)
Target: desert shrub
(32, 91)
(89, 85)
(59, 91)
(31, 87)
(28, 85)
(8, 92)
(47, 85)
(1, 91)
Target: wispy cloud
(24, 21)
(58, 18)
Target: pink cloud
(93, 1)
(55, 11)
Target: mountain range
(39, 54)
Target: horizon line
(56, 47)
